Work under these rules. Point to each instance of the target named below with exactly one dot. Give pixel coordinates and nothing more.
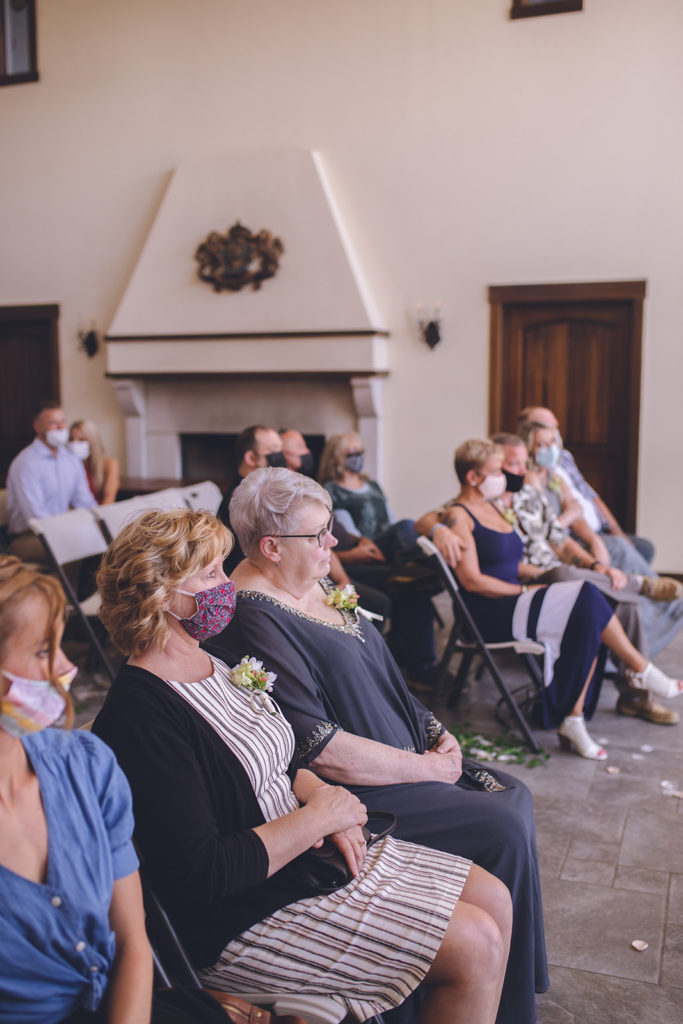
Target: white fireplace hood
(315, 315)
(306, 350)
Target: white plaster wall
(464, 150)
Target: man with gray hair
(618, 547)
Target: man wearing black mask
(297, 453)
(255, 447)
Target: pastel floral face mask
(31, 704)
(215, 609)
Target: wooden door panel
(29, 375)
(580, 358)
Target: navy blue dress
(332, 677)
(567, 617)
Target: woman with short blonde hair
(224, 807)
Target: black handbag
(322, 870)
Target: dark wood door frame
(629, 292)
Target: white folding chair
(203, 497)
(466, 640)
(120, 513)
(71, 537)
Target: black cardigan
(195, 812)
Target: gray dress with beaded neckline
(332, 677)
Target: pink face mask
(215, 609)
(492, 486)
(32, 704)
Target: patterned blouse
(538, 527)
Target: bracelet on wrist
(593, 564)
(523, 588)
(435, 527)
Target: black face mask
(513, 481)
(306, 467)
(276, 460)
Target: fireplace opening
(212, 456)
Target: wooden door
(29, 374)
(575, 349)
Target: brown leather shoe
(643, 705)
(661, 588)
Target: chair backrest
(447, 576)
(121, 513)
(205, 496)
(71, 535)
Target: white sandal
(573, 733)
(656, 681)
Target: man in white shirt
(44, 479)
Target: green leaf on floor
(504, 748)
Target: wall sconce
(89, 342)
(430, 329)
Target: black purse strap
(374, 837)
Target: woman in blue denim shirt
(72, 930)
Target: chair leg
(517, 715)
(73, 601)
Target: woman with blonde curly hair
(223, 807)
(101, 470)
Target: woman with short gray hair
(354, 719)
(268, 501)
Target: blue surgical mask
(547, 458)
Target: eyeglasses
(320, 536)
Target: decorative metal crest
(238, 258)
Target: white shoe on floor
(573, 733)
(656, 681)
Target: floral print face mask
(215, 609)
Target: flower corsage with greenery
(250, 675)
(343, 598)
(510, 516)
(555, 484)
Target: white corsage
(346, 600)
(343, 598)
(251, 675)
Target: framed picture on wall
(535, 8)
(18, 42)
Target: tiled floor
(611, 855)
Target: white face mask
(57, 437)
(81, 449)
(492, 486)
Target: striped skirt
(370, 944)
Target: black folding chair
(466, 640)
(173, 968)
